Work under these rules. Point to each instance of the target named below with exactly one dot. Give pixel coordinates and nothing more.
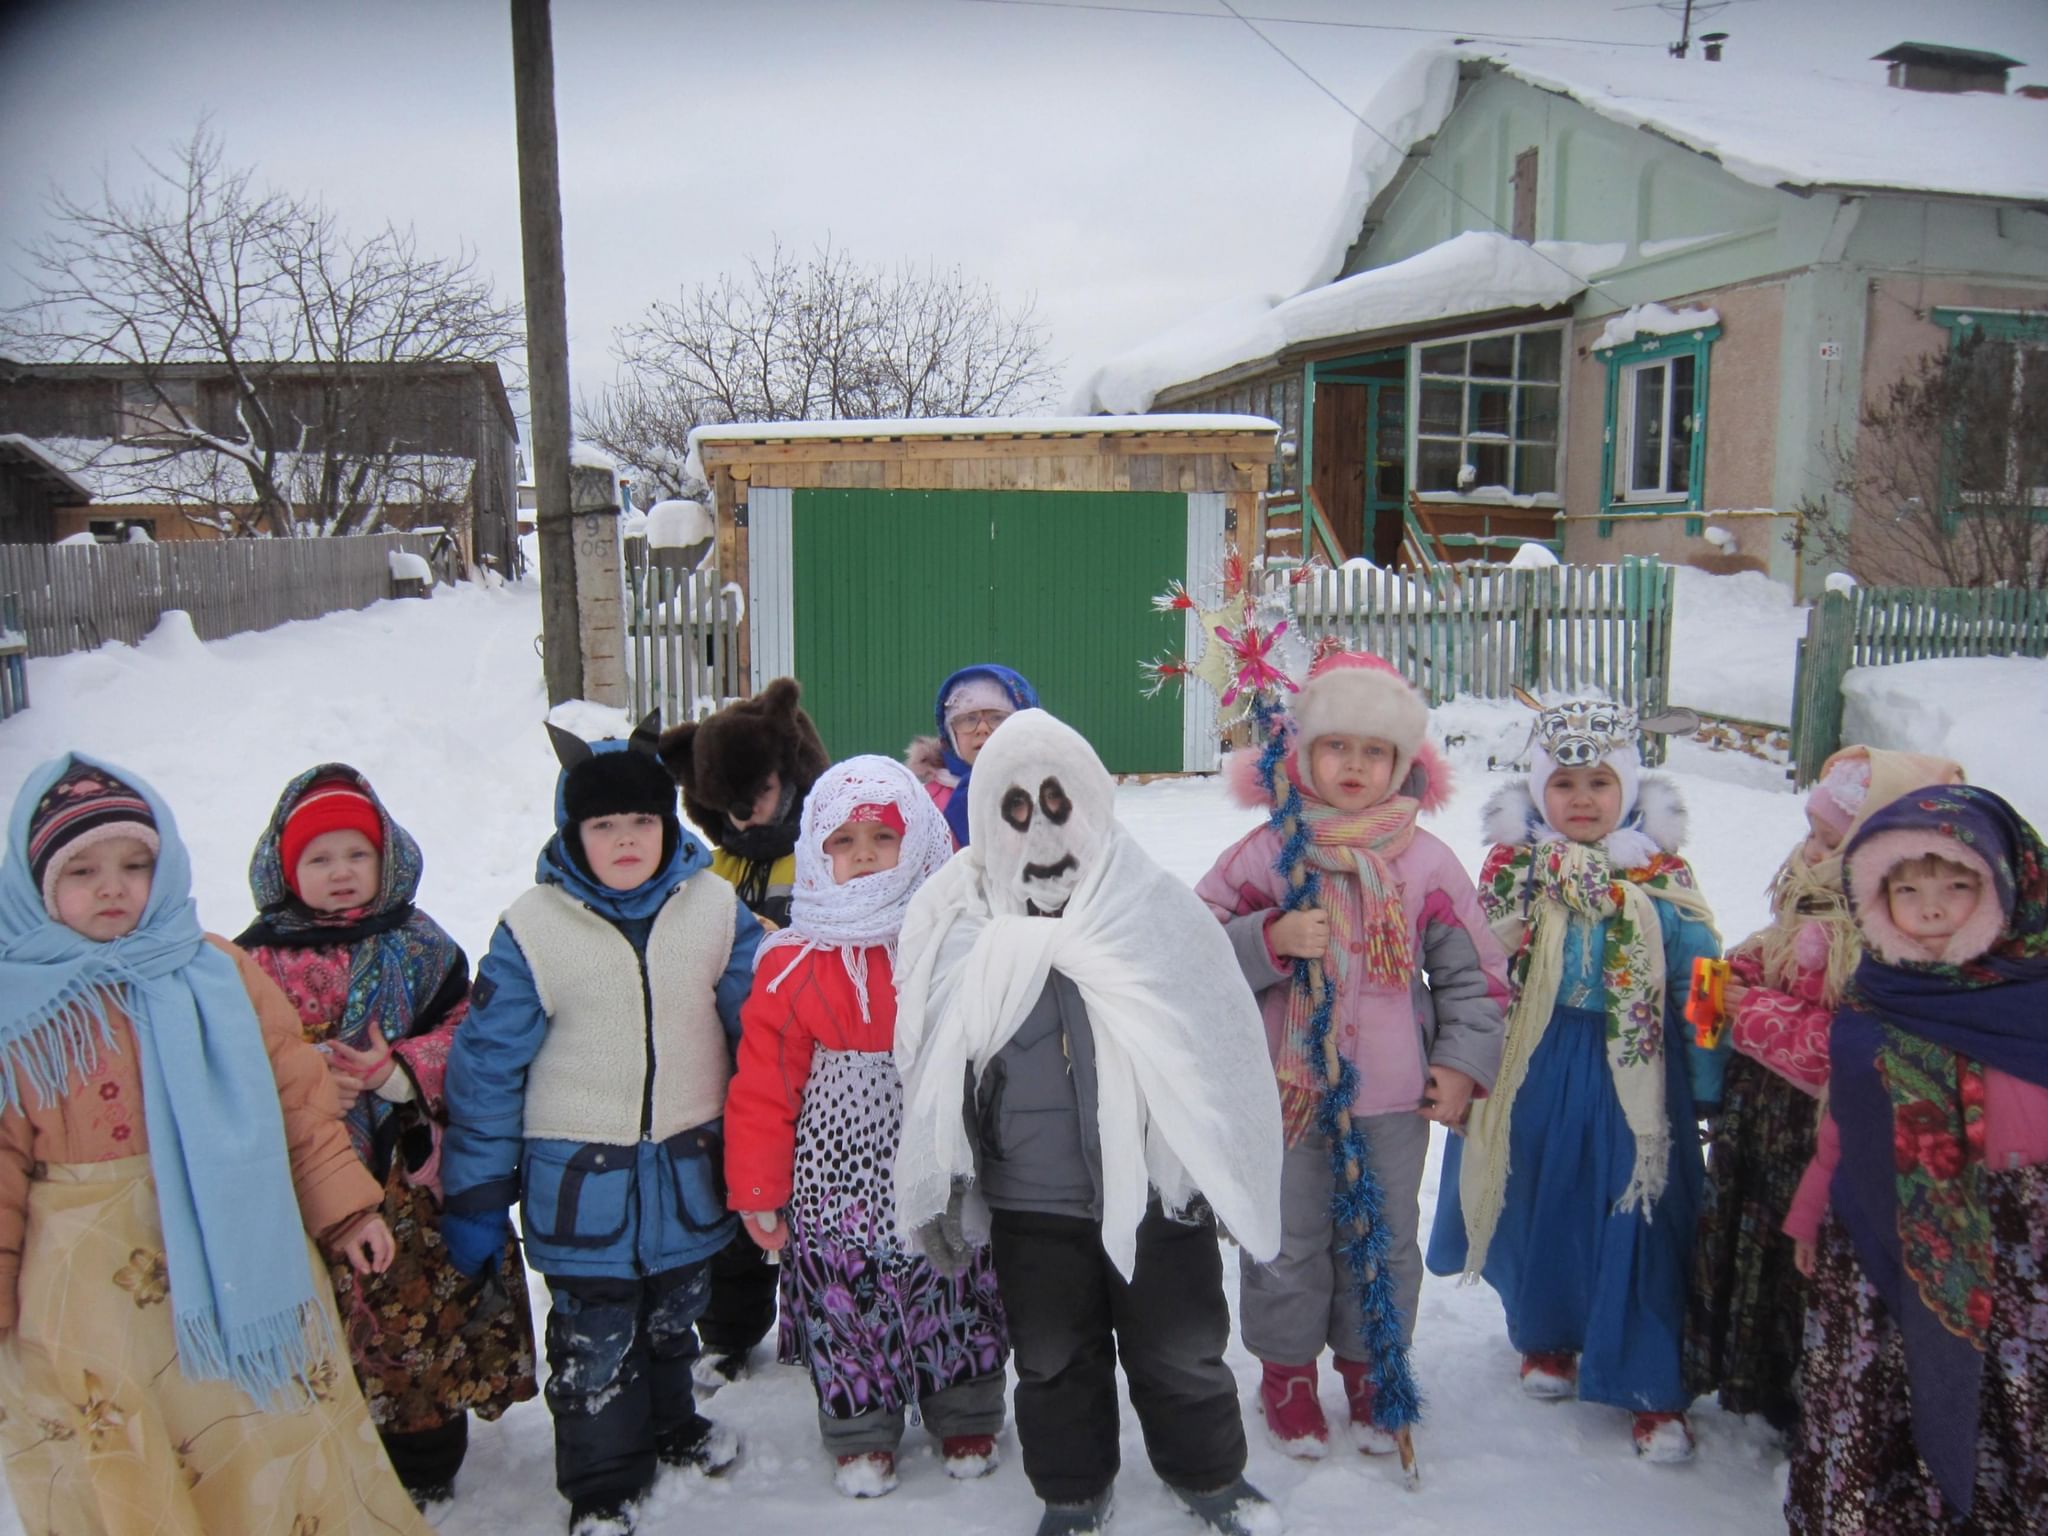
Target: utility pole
(547, 343)
(1678, 49)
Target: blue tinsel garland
(1357, 1205)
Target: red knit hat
(887, 815)
(331, 805)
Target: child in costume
(380, 987)
(1923, 1221)
(1117, 1092)
(588, 1083)
(1748, 1306)
(1576, 1191)
(744, 773)
(971, 704)
(1392, 904)
(812, 1121)
(169, 1351)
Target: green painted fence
(1879, 626)
(1485, 630)
(893, 590)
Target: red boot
(968, 1456)
(1664, 1437)
(1550, 1373)
(1294, 1416)
(1359, 1392)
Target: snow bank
(174, 641)
(1469, 274)
(1989, 713)
(1735, 645)
(677, 524)
(1532, 556)
(407, 566)
(1654, 320)
(76, 541)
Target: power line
(1402, 149)
(1307, 21)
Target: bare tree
(1948, 478)
(823, 338)
(295, 420)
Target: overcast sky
(1122, 167)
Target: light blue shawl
(242, 1289)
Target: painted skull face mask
(1040, 808)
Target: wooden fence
(13, 658)
(1485, 630)
(1878, 626)
(682, 640)
(77, 597)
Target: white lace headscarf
(867, 911)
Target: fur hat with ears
(722, 762)
(1354, 693)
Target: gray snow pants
(1290, 1310)
(971, 1407)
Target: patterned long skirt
(1747, 1315)
(878, 1328)
(427, 1343)
(105, 1436)
(1854, 1469)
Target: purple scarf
(1907, 1052)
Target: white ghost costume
(1186, 1095)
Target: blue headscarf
(405, 973)
(1021, 695)
(242, 1294)
(1903, 1050)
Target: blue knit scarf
(242, 1292)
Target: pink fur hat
(1881, 853)
(1354, 693)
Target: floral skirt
(1747, 1314)
(878, 1327)
(1854, 1468)
(105, 1436)
(426, 1342)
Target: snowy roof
(15, 447)
(1474, 273)
(1792, 127)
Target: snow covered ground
(440, 703)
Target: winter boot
(710, 1371)
(969, 1456)
(1088, 1518)
(423, 1494)
(866, 1474)
(1663, 1437)
(1360, 1391)
(1237, 1509)
(1550, 1374)
(1294, 1416)
(709, 1448)
(603, 1517)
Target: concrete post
(600, 595)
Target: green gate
(892, 590)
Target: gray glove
(945, 1244)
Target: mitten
(474, 1239)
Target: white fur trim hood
(1658, 822)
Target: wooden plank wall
(682, 650)
(76, 597)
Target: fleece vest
(588, 1081)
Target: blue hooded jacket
(587, 1209)
(1022, 696)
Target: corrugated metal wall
(892, 590)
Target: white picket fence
(682, 640)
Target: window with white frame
(1657, 422)
(1488, 410)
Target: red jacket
(813, 1007)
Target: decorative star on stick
(1252, 650)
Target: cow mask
(1040, 806)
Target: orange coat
(101, 1120)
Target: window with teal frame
(1992, 460)
(1654, 452)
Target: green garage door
(892, 590)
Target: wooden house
(1542, 261)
